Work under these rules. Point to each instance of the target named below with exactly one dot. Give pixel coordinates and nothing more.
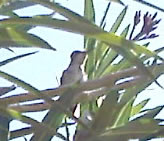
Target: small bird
(71, 75)
(74, 72)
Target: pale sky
(41, 69)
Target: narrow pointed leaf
(136, 129)
(151, 113)
(89, 12)
(15, 58)
(136, 109)
(89, 43)
(159, 50)
(134, 91)
(107, 59)
(102, 23)
(21, 39)
(56, 115)
(93, 30)
(90, 64)
(119, 20)
(21, 83)
(125, 31)
(11, 6)
(4, 90)
(111, 108)
(124, 114)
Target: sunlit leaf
(119, 20)
(124, 114)
(107, 59)
(89, 43)
(125, 31)
(89, 12)
(136, 109)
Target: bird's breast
(71, 76)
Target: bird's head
(78, 57)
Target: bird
(74, 73)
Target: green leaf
(53, 119)
(90, 64)
(89, 43)
(91, 30)
(124, 114)
(105, 60)
(125, 31)
(111, 109)
(119, 20)
(117, 41)
(33, 91)
(133, 91)
(151, 113)
(102, 23)
(89, 12)
(15, 58)
(136, 129)
(62, 10)
(11, 6)
(56, 114)
(159, 50)
(158, 135)
(86, 28)
(21, 83)
(128, 53)
(35, 125)
(10, 37)
(4, 90)
(105, 63)
(137, 109)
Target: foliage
(116, 85)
